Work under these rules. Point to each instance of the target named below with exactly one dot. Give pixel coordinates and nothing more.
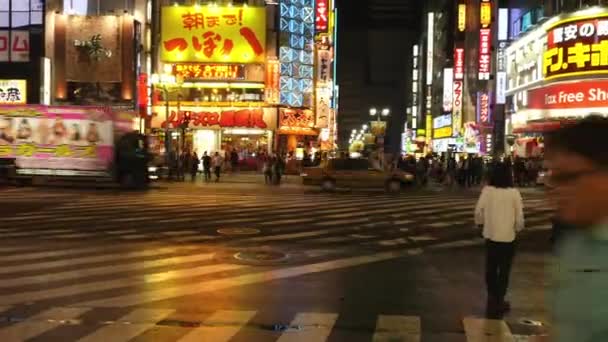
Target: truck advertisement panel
(55, 140)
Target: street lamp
(378, 114)
(364, 128)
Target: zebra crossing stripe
(40, 323)
(116, 255)
(397, 328)
(129, 326)
(219, 327)
(482, 330)
(314, 327)
(103, 270)
(126, 281)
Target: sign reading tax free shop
(213, 34)
(575, 95)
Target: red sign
(142, 92)
(191, 71)
(322, 15)
(246, 118)
(458, 63)
(590, 94)
(485, 55)
(296, 118)
(577, 47)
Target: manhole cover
(531, 322)
(238, 231)
(261, 257)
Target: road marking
(393, 242)
(482, 330)
(420, 238)
(315, 327)
(291, 236)
(96, 286)
(342, 222)
(219, 327)
(397, 328)
(129, 326)
(286, 222)
(40, 323)
(181, 290)
(440, 224)
(103, 270)
(116, 255)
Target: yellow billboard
(203, 34)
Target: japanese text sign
(13, 91)
(208, 34)
(485, 14)
(485, 53)
(321, 15)
(457, 107)
(323, 66)
(226, 118)
(483, 108)
(14, 46)
(462, 17)
(576, 47)
(209, 71)
(458, 63)
(574, 95)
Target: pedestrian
(421, 171)
(278, 168)
(184, 164)
(499, 212)
(206, 166)
(234, 160)
(217, 165)
(194, 163)
(267, 169)
(578, 163)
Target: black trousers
(218, 171)
(499, 258)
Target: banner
(321, 16)
(57, 138)
(484, 111)
(485, 53)
(213, 34)
(448, 84)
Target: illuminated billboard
(207, 34)
(577, 45)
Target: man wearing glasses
(577, 158)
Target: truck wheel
(328, 185)
(393, 186)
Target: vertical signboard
(429, 48)
(484, 111)
(457, 90)
(462, 17)
(448, 83)
(415, 84)
(501, 73)
(321, 16)
(484, 54)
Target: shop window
(20, 19)
(87, 7)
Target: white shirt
(501, 212)
(217, 161)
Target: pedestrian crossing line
(104, 270)
(330, 239)
(290, 236)
(84, 288)
(219, 327)
(110, 256)
(181, 290)
(397, 328)
(133, 324)
(315, 327)
(40, 323)
(478, 330)
(194, 238)
(393, 242)
(342, 222)
(287, 222)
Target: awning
(542, 126)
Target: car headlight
(304, 174)
(152, 169)
(408, 177)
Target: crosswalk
(85, 324)
(77, 255)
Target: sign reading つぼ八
(226, 34)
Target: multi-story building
(556, 68)
(374, 65)
(252, 76)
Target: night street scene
(304, 170)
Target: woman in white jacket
(500, 212)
